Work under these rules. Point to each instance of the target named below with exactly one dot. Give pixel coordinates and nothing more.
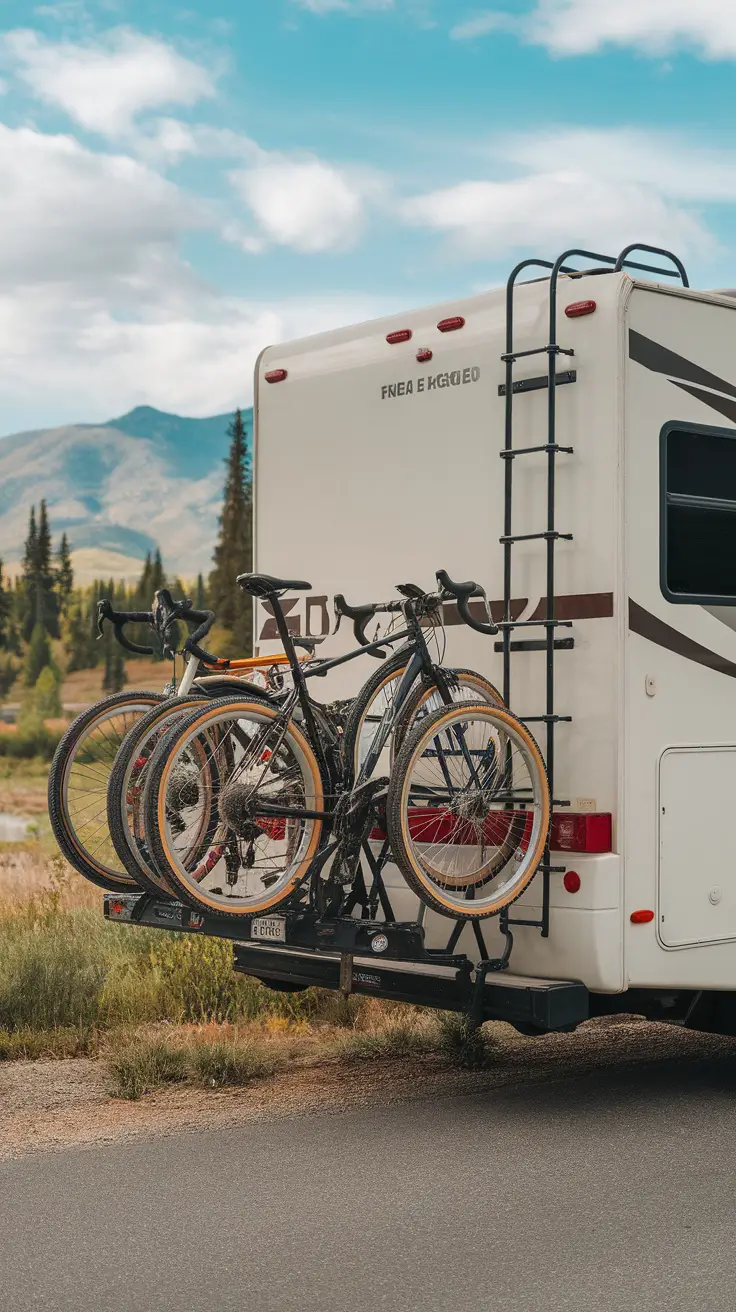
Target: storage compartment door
(697, 845)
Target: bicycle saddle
(265, 585)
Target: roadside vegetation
(163, 1009)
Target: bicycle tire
(62, 824)
(151, 880)
(157, 839)
(469, 678)
(388, 670)
(402, 846)
(122, 839)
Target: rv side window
(698, 470)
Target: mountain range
(119, 489)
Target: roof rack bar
(624, 261)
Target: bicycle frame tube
(390, 716)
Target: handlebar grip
(465, 615)
(462, 592)
(131, 646)
(361, 617)
(205, 656)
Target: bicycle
(84, 758)
(279, 801)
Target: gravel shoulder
(51, 1105)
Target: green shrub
(145, 1065)
(28, 1044)
(396, 1039)
(462, 1044)
(46, 693)
(214, 1065)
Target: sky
(182, 184)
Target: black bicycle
(274, 797)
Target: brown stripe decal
(572, 606)
(655, 630)
(578, 606)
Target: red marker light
(117, 908)
(451, 325)
(424, 354)
(579, 308)
(642, 917)
(401, 335)
(571, 881)
(276, 375)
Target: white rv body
(373, 468)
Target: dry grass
(83, 687)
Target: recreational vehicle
(569, 441)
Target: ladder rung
(532, 537)
(545, 719)
(537, 644)
(531, 450)
(537, 350)
(536, 384)
(552, 870)
(529, 624)
(533, 924)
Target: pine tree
(200, 600)
(64, 573)
(234, 550)
(158, 574)
(40, 602)
(6, 612)
(38, 656)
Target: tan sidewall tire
(403, 851)
(199, 898)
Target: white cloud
(99, 220)
(104, 84)
(613, 187)
(303, 203)
(344, 6)
(576, 27)
(98, 312)
(480, 25)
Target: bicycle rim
(240, 863)
(469, 809)
(78, 782)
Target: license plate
(270, 928)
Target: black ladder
(551, 379)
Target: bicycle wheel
(204, 784)
(77, 791)
(465, 686)
(368, 709)
(468, 809)
(126, 785)
(125, 791)
(378, 693)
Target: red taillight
(401, 335)
(424, 354)
(642, 917)
(581, 831)
(571, 881)
(116, 908)
(276, 375)
(579, 308)
(451, 325)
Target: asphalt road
(613, 1193)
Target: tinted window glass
(699, 541)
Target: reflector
(401, 335)
(579, 308)
(451, 325)
(276, 375)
